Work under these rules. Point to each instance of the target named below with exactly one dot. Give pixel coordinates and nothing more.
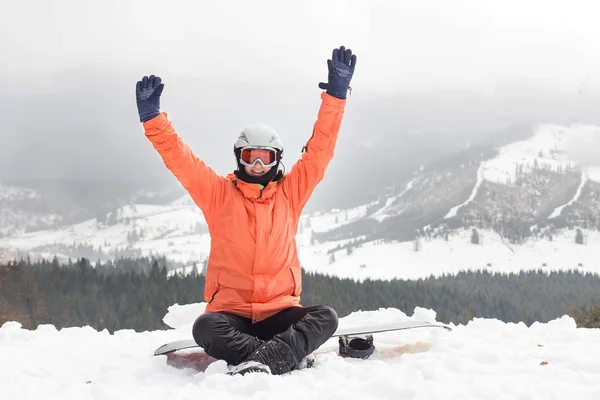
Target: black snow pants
(233, 338)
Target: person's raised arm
(307, 172)
(205, 187)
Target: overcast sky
(429, 73)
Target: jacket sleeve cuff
(332, 101)
(156, 121)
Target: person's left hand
(341, 69)
(147, 93)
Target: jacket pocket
(212, 286)
(296, 279)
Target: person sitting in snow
(253, 319)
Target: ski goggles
(249, 156)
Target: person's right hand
(147, 93)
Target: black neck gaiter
(263, 180)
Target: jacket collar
(254, 191)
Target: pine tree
(579, 236)
(474, 236)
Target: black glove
(147, 93)
(341, 68)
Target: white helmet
(259, 135)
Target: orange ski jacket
(253, 267)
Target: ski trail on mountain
(558, 210)
(454, 210)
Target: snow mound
(182, 317)
(486, 358)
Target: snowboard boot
(273, 356)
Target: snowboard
(342, 332)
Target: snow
(551, 146)
(171, 230)
(163, 230)
(167, 231)
(593, 174)
(380, 214)
(485, 358)
(10, 192)
(545, 147)
(558, 210)
(454, 210)
(321, 222)
(436, 257)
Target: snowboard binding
(356, 347)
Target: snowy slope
(485, 359)
(11, 192)
(437, 257)
(480, 177)
(177, 230)
(36, 204)
(381, 214)
(584, 180)
(549, 148)
(593, 173)
(14, 220)
(554, 147)
(546, 148)
(169, 231)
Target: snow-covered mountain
(531, 203)
(33, 205)
(535, 186)
(15, 213)
(176, 229)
